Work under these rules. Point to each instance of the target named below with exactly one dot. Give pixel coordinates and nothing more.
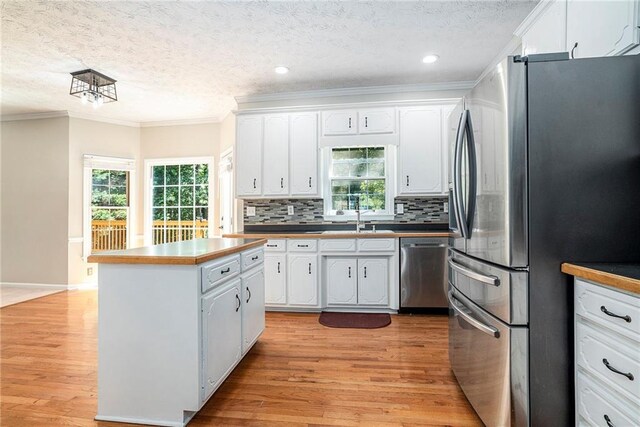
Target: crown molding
(84, 116)
(197, 121)
(355, 91)
(33, 116)
(532, 17)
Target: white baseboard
(33, 285)
(82, 286)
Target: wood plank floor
(299, 373)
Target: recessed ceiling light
(281, 70)
(430, 59)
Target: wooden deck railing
(112, 235)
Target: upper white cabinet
(339, 122)
(377, 120)
(547, 33)
(249, 155)
(303, 165)
(276, 155)
(420, 156)
(602, 28)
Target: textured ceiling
(178, 60)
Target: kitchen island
(174, 321)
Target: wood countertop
(625, 277)
(338, 235)
(190, 252)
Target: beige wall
(100, 139)
(199, 140)
(35, 200)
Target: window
(109, 209)
(358, 180)
(179, 197)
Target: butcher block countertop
(337, 235)
(190, 252)
(625, 277)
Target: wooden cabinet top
(625, 277)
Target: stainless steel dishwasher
(423, 274)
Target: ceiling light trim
(355, 91)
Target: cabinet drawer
(613, 359)
(376, 245)
(596, 404)
(338, 245)
(219, 271)
(276, 245)
(302, 245)
(593, 302)
(251, 258)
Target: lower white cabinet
(303, 279)
(252, 307)
(275, 272)
(221, 334)
(369, 286)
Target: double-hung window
(357, 180)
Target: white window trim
(390, 187)
(148, 164)
(112, 163)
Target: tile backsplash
(311, 211)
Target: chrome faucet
(359, 225)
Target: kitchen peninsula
(174, 321)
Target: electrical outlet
(289, 210)
(446, 207)
(251, 211)
(90, 271)
(400, 208)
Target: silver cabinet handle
(366, 124)
(309, 268)
(626, 318)
(365, 272)
(456, 303)
(629, 375)
(303, 246)
(238, 300)
(309, 182)
(489, 280)
(349, 122)
(608, 421)
(349, 272)
(249, 297)
(253, 258)
(228, 269)
(254, 182)
(278, 267)
(407, 180)
(281, 182)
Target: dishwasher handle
(425, 245)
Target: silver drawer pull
(608, 313)
(253, 258)
(489, 280)
(489, 330)
(614, 370)
(608, 420)
(303, 246)
(225, 271)
(272, 246)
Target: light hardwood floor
(299, 373)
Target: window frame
(389, 178)
(91, 163)
(148, 193)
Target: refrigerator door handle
(456, 304)
(473, 174)
(466, 271)
(457, 174)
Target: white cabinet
(339, 122)
(252, 307)
(275, 271)
(373, 277)
(249, 155)
(276, 155)
(420, 151)
(342, 281)
(377, 120)
(357, 281)
(221, 334)
(303, 165)
(303, 279)
(547, 33)
(602, 28)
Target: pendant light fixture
(92, 86)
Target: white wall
(35, 200)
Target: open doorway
(225, 180)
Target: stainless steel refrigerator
(545, 169)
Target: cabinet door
(342, 281)
(339, 122)
(248, 156)
(373, 281)
(602, 28)
(275, 272)
(276, 154)
(420, 151)
(377, 120)
(221, 335)
(252, 308)
(304, 153)
(303, 280)
(548, 33)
